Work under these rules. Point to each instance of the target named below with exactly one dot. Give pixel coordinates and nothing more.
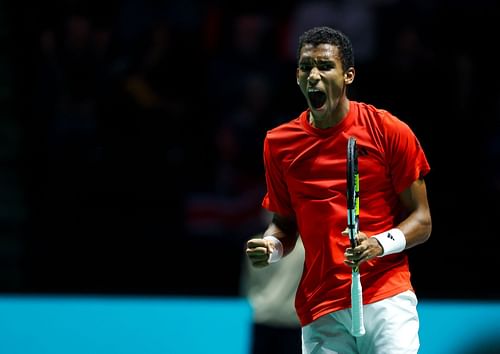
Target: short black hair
(327, 35)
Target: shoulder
(381, 118)
(286, 130)
(381, 114)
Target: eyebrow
(319, 60)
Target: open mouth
(317, 98)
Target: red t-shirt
(306, 178)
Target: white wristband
(392, 241)
(277, 253)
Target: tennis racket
(358, 328)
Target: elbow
(427, 233)
(427, 230)
(424, 228)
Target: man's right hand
(258, 251)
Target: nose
(313, 75)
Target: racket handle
(358, 327)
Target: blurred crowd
(136, 162)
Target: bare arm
(418, 225)
(284, 229)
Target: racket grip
(358, 327)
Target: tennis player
(305, 161)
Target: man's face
(322, 79)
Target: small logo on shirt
(362, 151)
(390, 236)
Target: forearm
(416, 227)
(414, 230)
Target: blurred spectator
(271, 293)
(226, 206)
(246, 49)
(62, 148)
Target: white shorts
(391, 328)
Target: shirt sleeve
(406, 158)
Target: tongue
(317, 99)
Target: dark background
(131, 131)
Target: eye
(305, 67)
(325, 66)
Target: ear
(297, 76)
(349, 76)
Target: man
(305, 161)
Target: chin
(318, 113)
